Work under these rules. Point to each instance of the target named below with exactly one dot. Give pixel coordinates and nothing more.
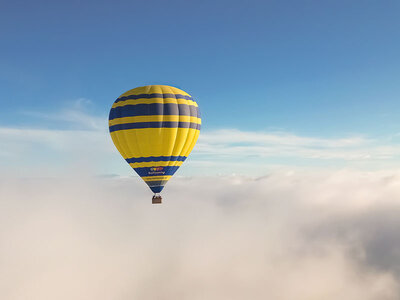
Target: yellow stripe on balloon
(154, 118)
(154, 100)
(156, 178)
(153, 141)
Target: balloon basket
(156, 199)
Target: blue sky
(322, 70)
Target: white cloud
(263, 144)
(75, 115)
(284, 236)
(44, 152)
(74, 137)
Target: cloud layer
(73, 137)
(284, 236)
(56, 151)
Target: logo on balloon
(156, 169)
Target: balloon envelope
(155, 127)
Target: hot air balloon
(155, 127)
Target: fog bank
(284, 236)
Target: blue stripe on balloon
(156, 186)
(154, 95)
(153, 109)
(155, 158)
(146, 171)
(138, 125)
(156, 189)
